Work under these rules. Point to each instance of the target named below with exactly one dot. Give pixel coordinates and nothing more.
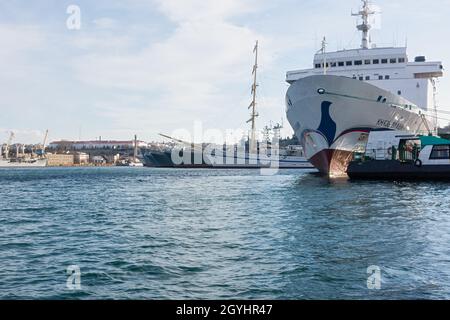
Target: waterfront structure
(103, 151)
(60, 160)
(333, 106)
(98, 160)
(65, 145)
(21, 155)
(81, 158)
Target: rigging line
(442, 111)
(353, 38)
(433, 114)
(439, 118)
(394, 104)
(442, 108)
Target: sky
(156, 66)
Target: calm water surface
(139, 233)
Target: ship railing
(393, 153)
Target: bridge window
(387, 77)
(380, 77)
(358, 62)
(341, 63)
(376, 61)
(393, 60)
(384, 61)
(401, 60)
(333, 64)
(318, 65)
(440, 152)
(349, 63)
(367, 78)
(361, 78)
(367, 62)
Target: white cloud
(18, 38)
(105, 23)
(194, 10)
(17, 48)
(193, 73)
(21, 135)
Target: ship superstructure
(386, 68)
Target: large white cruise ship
(333, 106)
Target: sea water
(142, 233)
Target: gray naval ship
(188, 155)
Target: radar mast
(365, 26)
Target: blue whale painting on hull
(327, 125)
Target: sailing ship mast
(254, 114)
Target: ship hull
(396, 170)
(333, 115)
(163, 159)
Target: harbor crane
(45, 139)
(41, 148)
(8, 144)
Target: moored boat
(23, 163)
(401, 156)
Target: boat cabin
(404, 147)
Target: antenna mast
(436, 121)
(135, 149)
(365, 26)
(254, 114)
(323, 50)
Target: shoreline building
(66, 145)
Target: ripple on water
(156, 233)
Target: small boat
(23, 163)
(133, 161)
(135, 164)
(401, 156)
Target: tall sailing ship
(333, 106)
(249, 154)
